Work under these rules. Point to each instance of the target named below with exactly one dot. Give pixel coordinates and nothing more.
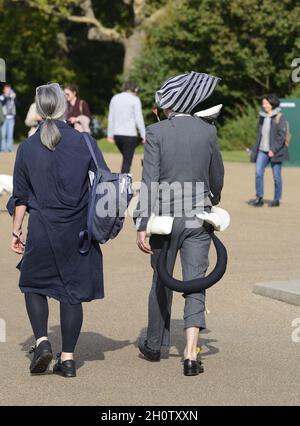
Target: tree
(248, 43)
(130, 19)
(33, 56)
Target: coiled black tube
(199, 284)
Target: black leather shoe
(274, 203)
(258, 202)
(42, 356)
(201, 368)
(149, 354)
(66, 368)
(192, 368)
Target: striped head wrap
(183, 92)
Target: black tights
(70, 318)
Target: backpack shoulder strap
(278, 118)
(85, 236)
(92, 152)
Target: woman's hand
(17, 243)
(271, 154)
(142, 242)
(72, 120)
(110, 140)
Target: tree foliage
(28, 44)
(121, 21)
(250, 44)
(240, 132)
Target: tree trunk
(133, 47)
(133, 44)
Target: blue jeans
(261, 163)
(7, 135)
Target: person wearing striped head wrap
(180, 150)
(185, 91)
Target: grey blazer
(179, 149)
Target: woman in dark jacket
(51, 183)
(270, 147)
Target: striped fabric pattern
(183, 92)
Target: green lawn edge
(239, 156)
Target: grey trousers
(193, 244)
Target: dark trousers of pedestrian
(193, 245)
(126, 146)
(71, 317)
(262, 162)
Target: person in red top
(78, 112)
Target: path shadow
(90, 347)
(207, 345)
(251, 201)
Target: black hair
(73, 88)
(273, 100)
(131, 85)
(5, 85)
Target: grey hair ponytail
(51, 105)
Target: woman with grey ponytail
(51, 183)
(51, 105)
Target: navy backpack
(109, 197)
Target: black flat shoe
(274, 203)
(192, 368)
(201, 368)
(66, 368)
(149, 354)
(42, 356)
(258, 202)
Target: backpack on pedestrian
(288, 135)
(110, 195)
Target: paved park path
(248, 352)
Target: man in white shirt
(125, 120)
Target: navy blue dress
(54, 187)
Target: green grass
(112, 148)
(236, 156)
